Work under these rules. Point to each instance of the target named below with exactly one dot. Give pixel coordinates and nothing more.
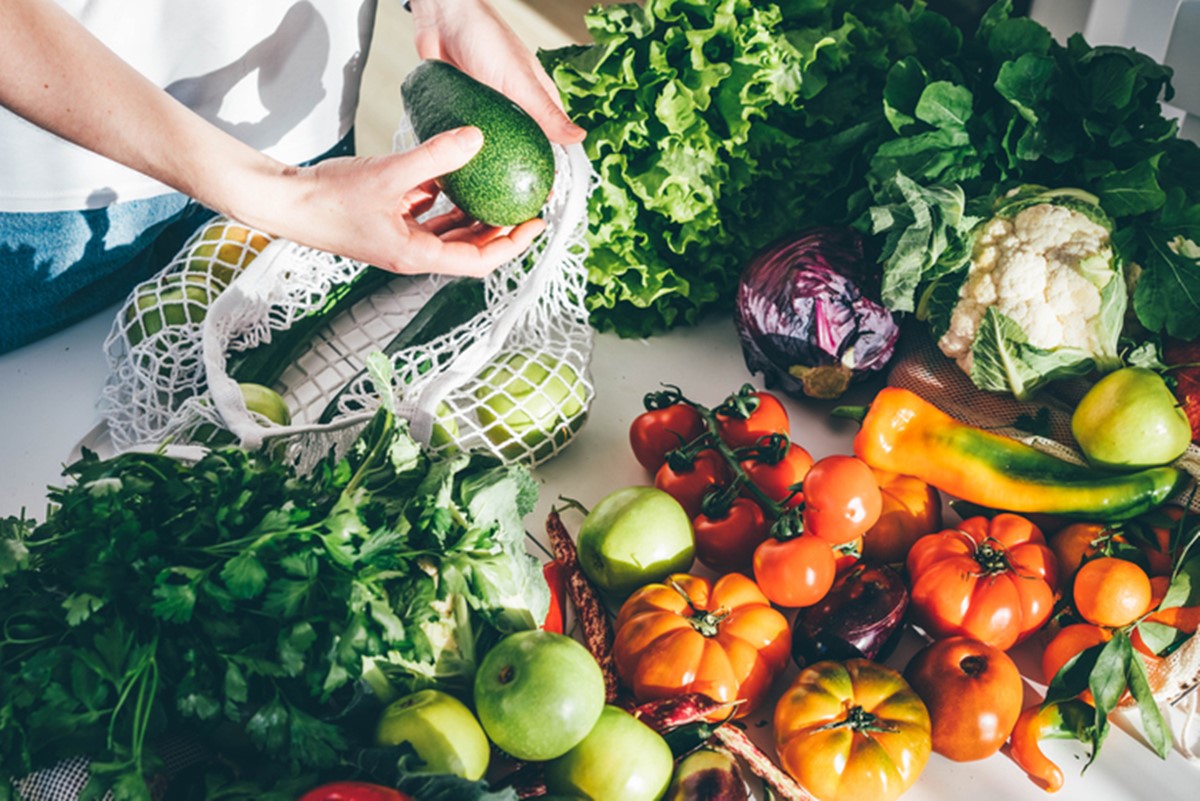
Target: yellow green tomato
(529, 402)
(445, 735)
(621, 759)
(1130, 419)
(635, 536)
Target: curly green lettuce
(718, 126)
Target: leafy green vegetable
(718, 126)
(1013, 106)
(162, 597)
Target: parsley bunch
(234, 600)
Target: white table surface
(47, 404)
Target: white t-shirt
(281, 75)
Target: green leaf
(245, 576)
(1127, 193)
(1004, 361)
(945, 105)
(1167, 294)
(1154, 724)
(1184, 589)
(1158, 637)
(80, 607)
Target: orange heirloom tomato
(852, 730)
(691, 635)
(911, 509)
(993, 580)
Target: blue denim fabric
(57, 268)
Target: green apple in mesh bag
(172, 300)
(529, 401)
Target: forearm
(54, 73)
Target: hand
(366, 208)
(470, 35)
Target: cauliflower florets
(1033, 267)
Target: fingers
(472, 250)
(443, 153)
(538, 95)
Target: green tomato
(445, 427)
(538, 693)
(170, 301)
(1130, 419)
(635, 536)
(529, 402)
(445, 735)
(621, 759)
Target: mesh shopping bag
(510, 378)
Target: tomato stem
(859, 720)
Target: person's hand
(366, 208)
(470, 35)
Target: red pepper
(354, 791)
(555, 573)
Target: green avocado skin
(508, 181)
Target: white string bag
(513, 380)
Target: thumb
(443, 153)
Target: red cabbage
(808, 315)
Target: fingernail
(469, 137)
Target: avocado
(509, 179)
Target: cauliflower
(1043, 294)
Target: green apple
(621, 759)
(168, 301)
(1130, 419)
(537, 694)
(635, 536)
(530, 402)
(445, 735)
(267, 402)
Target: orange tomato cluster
(779, 527)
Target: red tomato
(993, 580)
(707, 470)
(749, 415)
(795, 572)
(727, 544)
(354, 791)
(973, 692)
(841, 499)
(555, 573)
(776, 478)
(656, 432)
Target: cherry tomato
(726, 544)
(973, 692)
(555, 573)
(656, 432)
(749, 415)
(354, 791)
(795, 572)
(688, 486)
(777, 477)
(841, 499)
